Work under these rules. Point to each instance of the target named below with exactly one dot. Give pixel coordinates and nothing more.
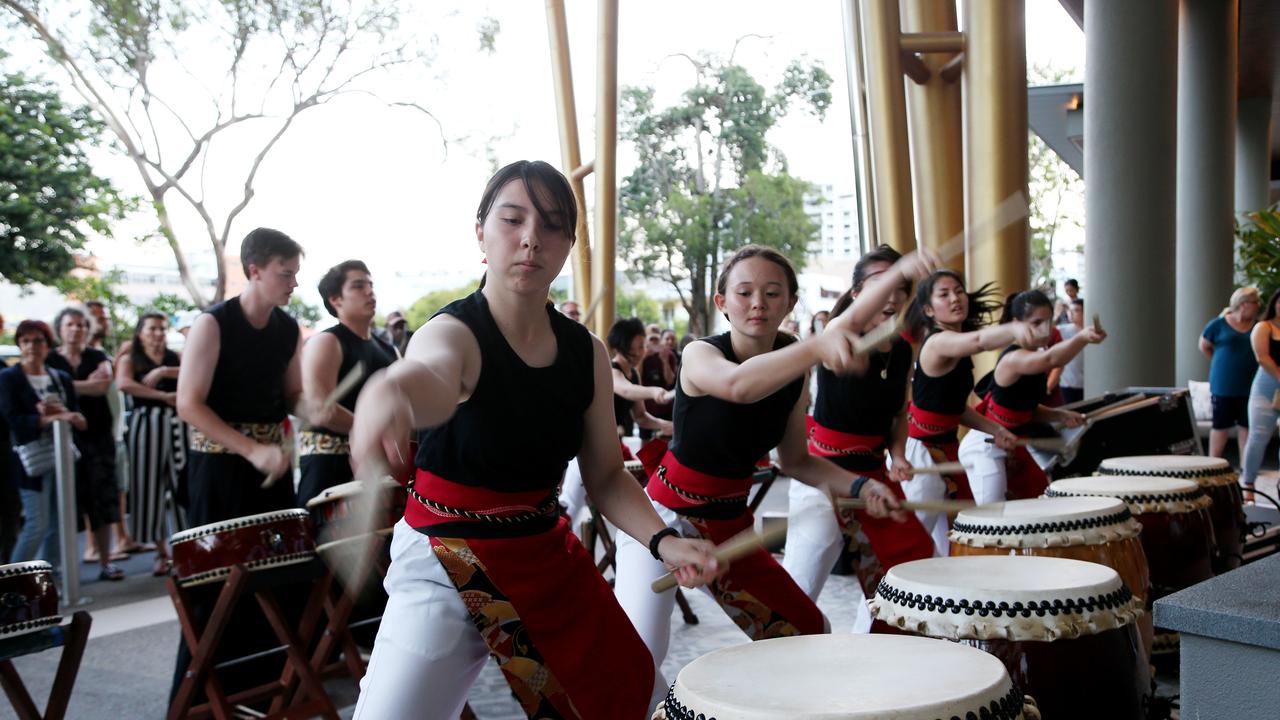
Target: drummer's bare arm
(898, 446)
(293, 381)
(877, 290)
(321, 361)
(616, 493)
(940, 354)
(1033, 362)
(647, 421)
(705, 370)
(973, 419)
(627, 390)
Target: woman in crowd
(156, 438)
(96, 489)
(32, 398)
(1264, 394)
(1232, 366)
(507, 390)
(740, 395)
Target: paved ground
(128, 664)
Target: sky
(361, 179)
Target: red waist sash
(926, 425)
(1007, 417)
(437, 506)
(825, 442)
(682, 488)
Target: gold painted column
(602, 285)
(937, 149)
(887, 126)
(995, 134)
(570, 154)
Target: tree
(707, 181)
(1050, 182)
(305, 313)
(638, 304)
(1258, 248)
(262, 64)
(49, 195)
(424, 307)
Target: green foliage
(638, 304)
(708, 182)
(1258, 244)
(50, 197)
(1050, 183)
(121, 312)
(170, 304)
(304, 312)
(424, 307)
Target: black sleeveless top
(1024, 394)
(96, 410)
(726, 439)
(1275, 349)
(865, 404)
(375, 353)
(622, 406)
(947, 394)
(522, 425)
(143, 365)
(248, 381)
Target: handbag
(37, 456)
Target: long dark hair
(983, 305)
(136, 353)
(1270, 314)
(1020, 305)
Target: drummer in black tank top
(327, 359)
(626, 340)
(507, 391)
(740, 395)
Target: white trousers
(428, 652)
(814, 541)
(573, 494)
(988, 475)
(928, 487)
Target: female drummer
(859, 416)
(951, 325)
(1012, 397)
(739, 395)
(508, 390)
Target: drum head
(1204, 469)
(292, 514)
(846, 677)
(1045, 522)
(1142, 494)
(1004, 597)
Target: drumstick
(878, 335)
(345, 385)
(946, 506)
(738, 546)
(591, 309)
(947, 468)
(363, 519)
(1050, 444)
(1011, 210)
(1097, 323)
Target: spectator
(668, 341)
(1225, 341)
(398, 331)
(1071, 381)
(156, 438)
(658, 370)
(570, 310)
(818, 321)
(96, 494)
(1263, 393)
(1072, 289)
(100, 324)
(626, 340)
(791, 327)
(32, 398)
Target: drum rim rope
(1191, 499)
(27, 626)
(27, 567)
(1121, 523)
(196, 533)
(1008, 707)
(219, 573)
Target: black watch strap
(657, 538)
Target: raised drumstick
(950, 507)
(738, 546)
(1097, 323)
(1050, 444)
(877, 336)
(947, 468)
(345, 385)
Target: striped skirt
(157, 442)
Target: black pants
(321, 472)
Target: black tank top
(1024, 394)
(945, 395)
(143, 365)
(622, 406)
(248, 381)
(96, 410)
(726, 439)
(865, 404)
(1275, 350)
(522, 425)
(375, 353)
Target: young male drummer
(327, 359)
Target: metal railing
(65, 472)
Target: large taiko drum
(1177, 533)
(1218, 480)
(1064, 629)
(845, 677)
(207, 553)
(332, 510)
(28, 598)
(636, 468)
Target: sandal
(161, 566)
(135, 547)
(111, 572)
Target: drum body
(28, 598)
(332, 510)
(636, 468)
(1216, 478)
(844, 677)
(207, 553)
(1046, 619)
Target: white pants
(814, 541)
(928, 487)
(573, 494)
(428, 652)
(988, 475)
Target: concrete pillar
(1206, 168)
(1253, 154)
(1132, 51)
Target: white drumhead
(1206, 470)
(1045, 522)
(292, 514)
(347, 490)
(844, 677)
(1142, 494)
(25, 568)
(1011, 597)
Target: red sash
(825, 442)
(679, 487)
(1024, 477)
(923, 424)
(434, 501)
(1007, 417)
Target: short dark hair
(1078, 301)
(33, 327)
(1072, 282)
(623, 333)
(333, 280)
(559, 211)
(95, 304)
(760, 251)
(262, 244)
(1020, 305)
